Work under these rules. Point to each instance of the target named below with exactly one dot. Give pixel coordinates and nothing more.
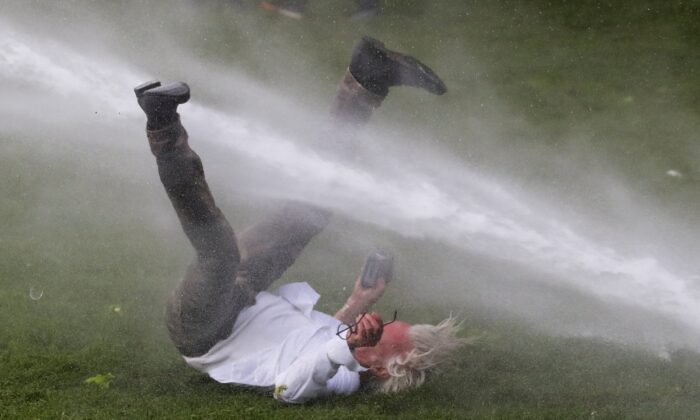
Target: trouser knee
(203, 308)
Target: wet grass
(103, 279)
(49, 347)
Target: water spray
(473, 212)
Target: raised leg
(272, 245)
(204, 305)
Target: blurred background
(549, 198)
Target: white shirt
(282, 342)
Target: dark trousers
(229, 269)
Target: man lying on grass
(221, 318)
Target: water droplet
(674, 173)
(35, 293)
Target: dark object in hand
(379, 264)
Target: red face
(394, 342)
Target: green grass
(558, 67)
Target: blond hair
(433, 345)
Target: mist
(555, 232)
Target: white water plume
(452, 205)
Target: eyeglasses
(353, 327)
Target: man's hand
(367, 332)
(367, 297)
(360, 300)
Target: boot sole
(141, 89)
(176, 92)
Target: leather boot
(160, 102)
(377, 69)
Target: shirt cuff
(339, 353)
